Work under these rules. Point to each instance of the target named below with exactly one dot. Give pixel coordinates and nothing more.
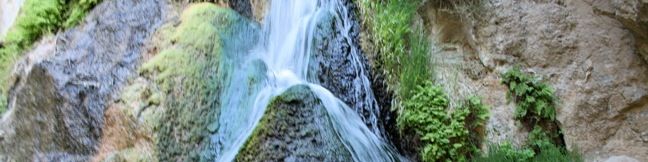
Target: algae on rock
(189, 72)
(295, 127)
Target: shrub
(445, 135)
(505, 152)
(402, 50)
(535, 100)
(535, 107)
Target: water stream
(281, 60)
(8, 12)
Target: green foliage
(77, 10)
(535, 100)
(403, 50)
(505, 152)
(189, 71)
(446, 136)
(535, 105)
(414, 71)
(36, 18)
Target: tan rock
(591, 52)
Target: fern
(535, 100)
(447, 136)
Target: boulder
(56, 105)
(295, 127)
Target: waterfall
(281, 60)
(8, 12)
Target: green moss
(446, 136)
(188, 72)
(36, 18)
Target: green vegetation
(535, 100)
(536, 109)
(447, 136)
(189, 94)
(403, 51)
(36, 18)
(403, 55)
(506, 152)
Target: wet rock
(339, 65)
(243, 7)
(182, 82)
(295, 127)
(57, 106)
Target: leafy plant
(535, 105)
(535, 100)
(446, 135)
(506, 152)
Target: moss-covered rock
(187, 76)
(295, 127)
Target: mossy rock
(188, 75)
(295, 127)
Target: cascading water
(281, 60)
(8, 13)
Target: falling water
(8, 13)
(280, 60)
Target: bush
(535, 107)
(535, 100)
(446, 136)
(402, 50)
(505, 152)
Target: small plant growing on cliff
(402, 49)
(445, 135)
(535, 107)
(535, 100)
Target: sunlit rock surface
(57, 105)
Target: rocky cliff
(140, 80)
(591, 52)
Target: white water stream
(9, 10)
(285, 50)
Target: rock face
(295, 127)
(57, 104)
(173, 104)
(338, 64)
(591, 52)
